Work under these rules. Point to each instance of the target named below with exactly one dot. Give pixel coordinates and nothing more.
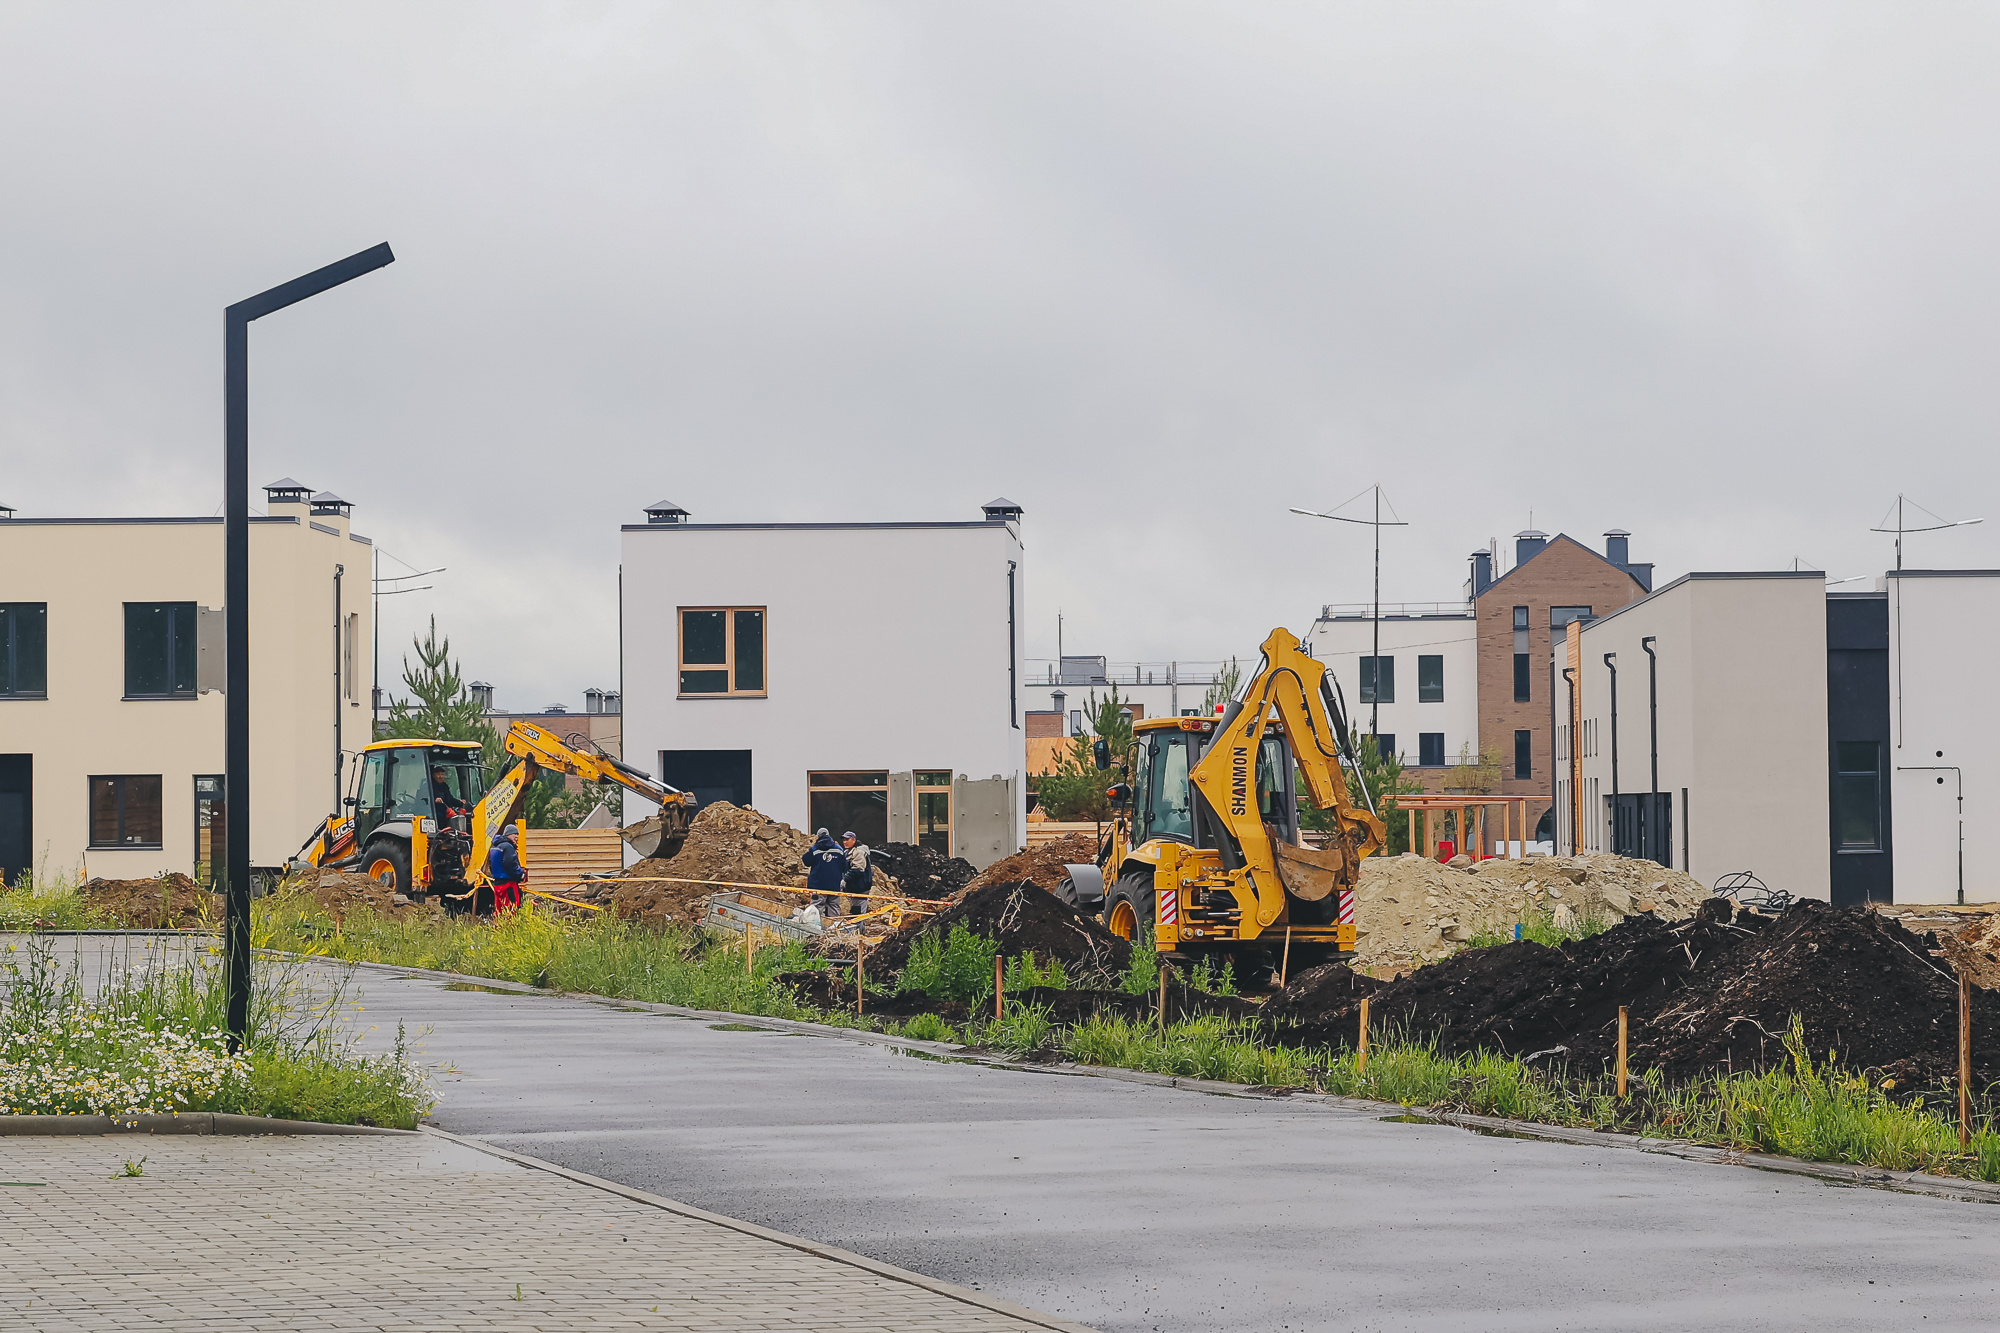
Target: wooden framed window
(854, 802)
(125, 810)
(722, 652)
(933, 793)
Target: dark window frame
(1524, 753)
(120, 821)
(1524, 676)
(10, 650)
(174, 672)
(1373, 677)
(1842, 771)
(1429, 743)
(1385, 744)
(730, 667)
(1430, 678)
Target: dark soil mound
(1319, 1007)
(923, 872)
(833, 989)
(1041, 865)
(1707, 994)
(168, 901)
(1867, 989)
(1023, 919)
(1080, 1006)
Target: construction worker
(826, 865)
(504, 866)
(445, 807)
(860, 875)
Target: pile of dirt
(1183, 1002)
(923, 872)
(1023, 918)
(1411, 910)
(726, 844)
(1974, 949)
(153, 904)
(1710, 993)
(1041, 865)
(339, 892)
(1318, 997)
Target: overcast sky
(1724, 275)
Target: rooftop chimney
(1482, 571)
(327, 503)
(593, 700)
(666, 511)
(482, 694)
(6, 511)
(1528, 545)
(1617, 546)
(1001, 510)
(285, 491)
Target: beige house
(111, 708)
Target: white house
(111, 707)
(863, 676)
(1713, 759)
(1422, 700)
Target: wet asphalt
(1131, 1207)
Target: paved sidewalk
(273, 1234)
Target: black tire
(389, 861)
(1128, 905)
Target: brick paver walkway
(399, 1233)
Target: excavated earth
(1712, 993)
(1022, 918)
(169, 901)
(1042, 865)
(340, 892)
(923, 872)
(1411, 910)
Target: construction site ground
(1126, 1205)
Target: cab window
(409, 782)
(1168, 810)
(1271, 777)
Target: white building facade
(1419, 690)
(863, 676)
(111, 707)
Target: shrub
(959, 967)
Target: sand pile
(1042, 865)
(726, 844)
(922, 871)
(1023, 918)
(1411, 909)
(1705, 994)
(153, 904)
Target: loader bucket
(1307, 874)
(658, 835)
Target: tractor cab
(398, 780)
(1163, 803)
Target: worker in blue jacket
(504, 867)
(826, 865)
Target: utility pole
(1375, 649)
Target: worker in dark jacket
(504, 867)
(826, 865)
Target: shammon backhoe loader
(419, 817)
(1205, 851)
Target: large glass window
(24, 650)
(409, 784)
(159, 650)
(1858, 793)
(125, 810)
(1522, 676)
(1430, 678)
(1168, 812)
(1524, 754)
(1378, 680)
(933, 789)
(722, 651)
(854, 802)
(1430, 749)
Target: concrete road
(1138, 1208)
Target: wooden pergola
(1471, 809)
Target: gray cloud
(1717, 274)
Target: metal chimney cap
(1000, 510)
(665, 511)
(1532, 535)
(1617, 532)
(286, 491)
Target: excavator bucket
(1307, 874)
(658, 835)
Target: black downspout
(1611, 663)
(1653, 704)
(1569, 679)
(338, 570)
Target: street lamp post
(1377, 523)
(236, 599)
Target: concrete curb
(179, 1122)
(1841, 1173)
(978, 1299)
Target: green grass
(151, 1039)
(51, 904)
(1211, 1048)
(1543, 929)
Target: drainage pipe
(1653, 705)
(1575, 763)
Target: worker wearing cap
(860, 875)
(504, 868)
(826, 866)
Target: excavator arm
(1293, 685)
(540, 749)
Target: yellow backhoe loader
(419, 817)
(1205, 848)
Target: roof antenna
(1902, 528)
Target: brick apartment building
(1553, 581)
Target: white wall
(1742, 699)
(86, 570)
(1342, 643)
(887, 648)
(1944, 630)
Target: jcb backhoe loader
(418, 817)
(1205, 849)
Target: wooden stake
(1621, 1052)
(1964, 1061)
(1285, 964)
(1163, 999)
(749, 949)
(999, 986)
(860, 978)
(1361, 1051)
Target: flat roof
(51, 522)
(811, 527)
